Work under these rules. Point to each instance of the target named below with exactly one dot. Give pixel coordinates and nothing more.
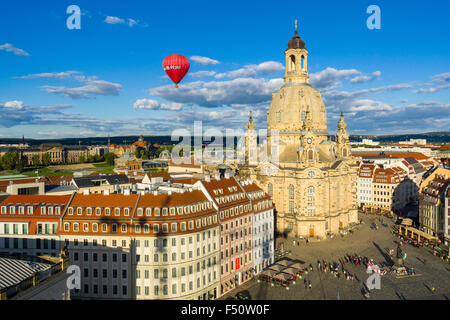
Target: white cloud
(10, 48)
(51, 75)
(219, 93)
(202, 74)
(114, 20)
(131, 22)
(14, 104)
(432, 90)
(204, 60)
(156, 105)
(363, 78)
(253, 70)
(329, 78)
(368, 105)
(92, 87)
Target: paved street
(373, 244)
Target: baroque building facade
(311, 178)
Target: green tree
(10, 160)
(109, 158)
(90, 159)
(45, 159)
(35, 160)
(82, 159)
(21, 163)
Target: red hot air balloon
(176, 66)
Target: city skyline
(107, 77)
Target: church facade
(313, 180)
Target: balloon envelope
(176, 66)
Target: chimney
(169, 193)
(208, 178)
(126, 192)
(227, 175)
(106, 192)
(155, 192)
(217, 177)
(86, 192)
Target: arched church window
(292, 63)
(279, 116)
(303, 116)
(310, 155)
(291, 191)
(270, 189)
(302, 62)
(345, 152)
(311, 193)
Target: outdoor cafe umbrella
(296, 265)
(268, 273)
(277, 267)
(285, 262)
(283, 276)
(292, 271)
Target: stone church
(313, 179)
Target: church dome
(296, 42)
(289, 108)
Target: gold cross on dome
(295, 24)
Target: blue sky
(107, 77)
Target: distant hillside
(430, 136)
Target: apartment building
(95, 230)
(29, 224)
(432, 214)
(177, 246)
(236, 223)
(263, 226)
(178, 241)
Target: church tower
(342, 141)
(251, 154)
(310, 178)
(296, 60)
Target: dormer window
(57, 209)
(107, 211)
(98, 211)
(21, 210)
(164, 211)
(4, 209)
(70, 212)
(172, 211)
(79, 211)
(148, 212)
(157, 212)
(117, 212)
(88, 211)
(50, 211)
(43, 210)
(126, 212)
(140, 212)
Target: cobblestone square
(431, 272)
